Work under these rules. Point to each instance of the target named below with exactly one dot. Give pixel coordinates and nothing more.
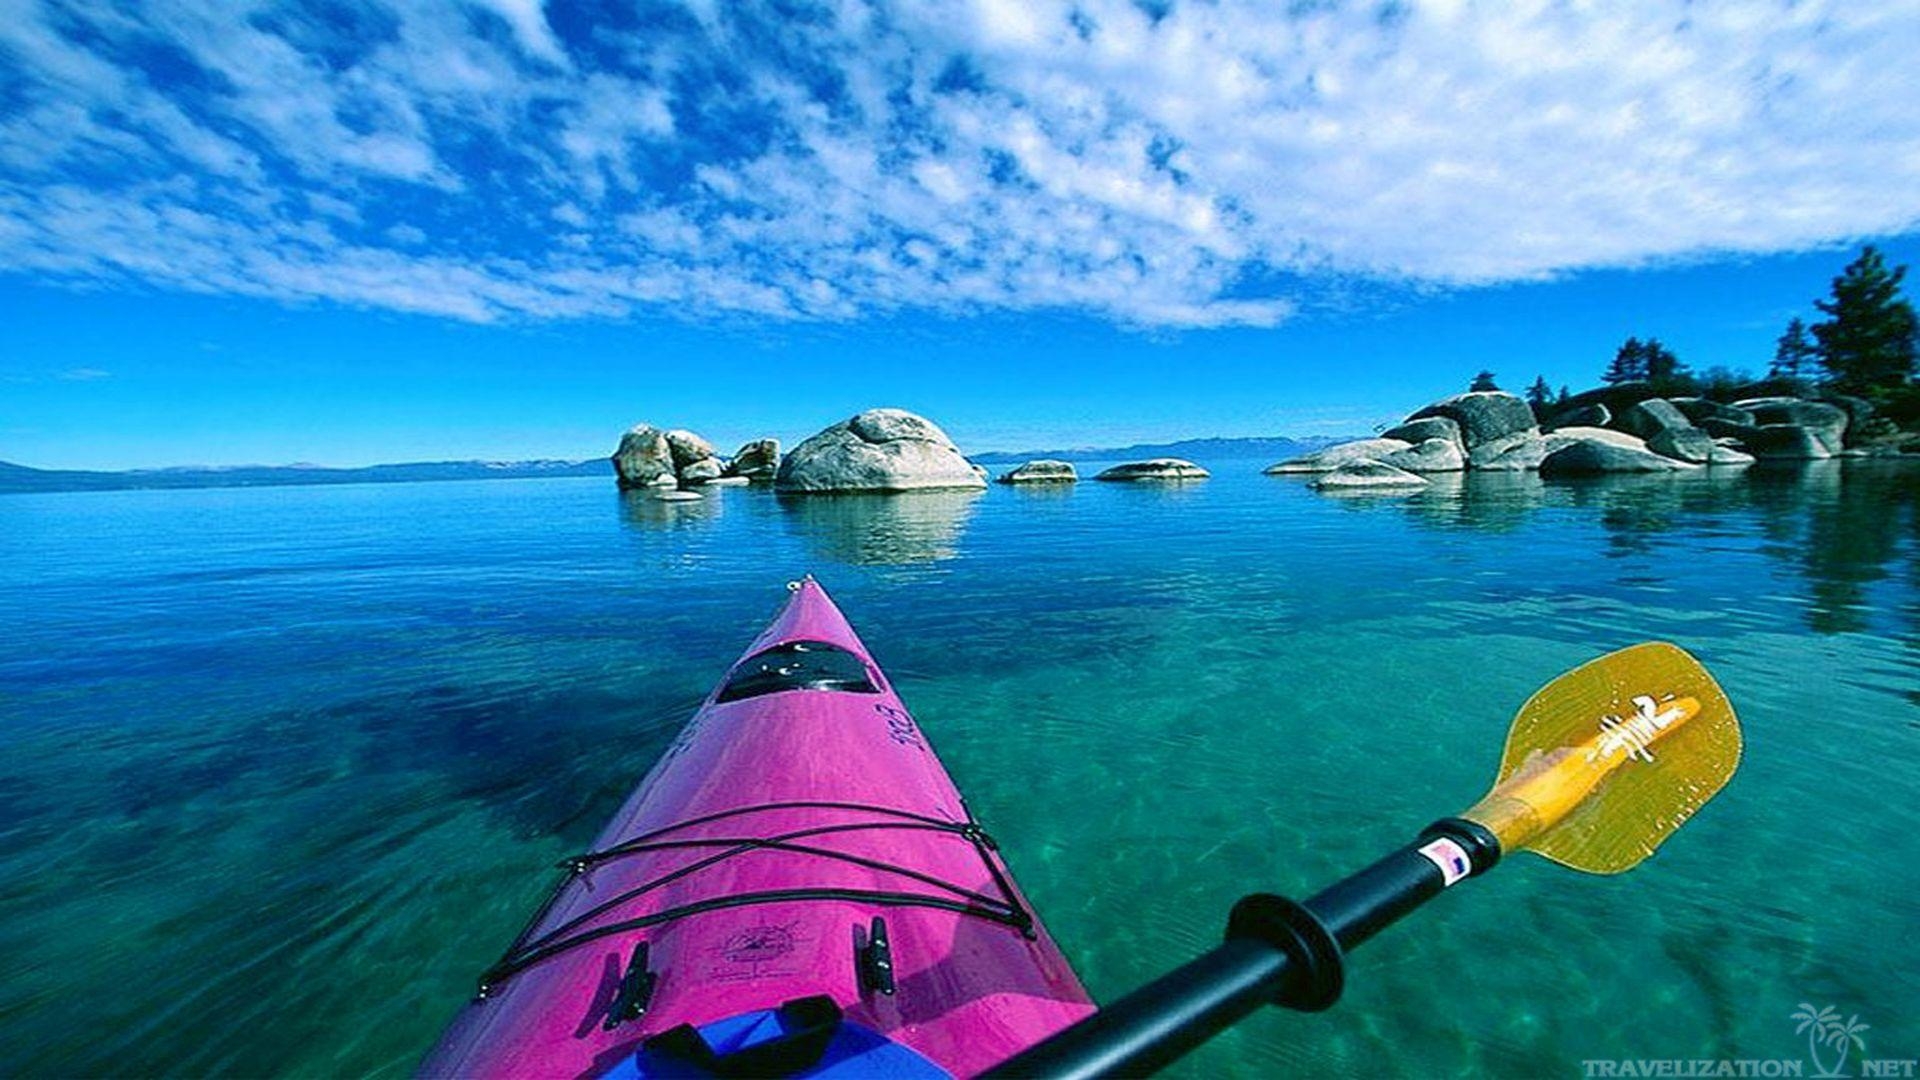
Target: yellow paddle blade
(1606, 761)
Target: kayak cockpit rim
(799, 664)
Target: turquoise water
(281, 770)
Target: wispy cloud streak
(1157, 165)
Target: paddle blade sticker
(1605, 762)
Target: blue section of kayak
(854, 1053)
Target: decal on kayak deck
(681, 741)
(757, 952)
(900, 726)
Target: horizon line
(576, 461)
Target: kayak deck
(799, 816)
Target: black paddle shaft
(1277, 952)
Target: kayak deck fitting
(796, 887)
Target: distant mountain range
(1202, 450)
(15, 478)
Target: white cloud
(529, 23)
(954, 155)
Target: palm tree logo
(1823, 1026)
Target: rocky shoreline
(1623, 428)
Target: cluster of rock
(1701, 431)
(878, 450)
(1625, 428)
(1048, 471)
(1488, 430)
(669, 461)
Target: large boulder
(1043, 471)
(1514, 452)
(1828, 423)
(1728, 429)
(1594, 415)
(878, 450)
(1484, 416)
(758, 460)
(1367, 474)
(892, 425)
(688, 447)
(1165, 468)
(1427, 456)
(1650, 417)
(1427, 427)
(1875, 433)
(1335, 456)
(1860, 412)
(701, 471)
(1866, 428)
(1785, 442)
(1592, 457)
(1561, 438)
(1618, 397)
(1688, 444)
(644, 459)
(1697, 409)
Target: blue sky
(357, 231)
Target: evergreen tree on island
(1540, 396)
(1649, 361)
(1793, 354)
(1867, 342)
(1722, 383)
(1482, 383)
(1665, 371)
(1629, 364)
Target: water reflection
(648, 511)
(1154, 491)
(1854, 532)
(909, 527)
(1041, 492)
(1488, 501)
(1843, 525)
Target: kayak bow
(796, 887)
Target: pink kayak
(796, 889)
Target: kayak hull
(746, 871)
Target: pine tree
(1629, 363)
(1564, 397)
(1867, 341)
(1793, 353)
(1664, 370)
(1539, 395)
(1722, 383)
(1482, 382)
